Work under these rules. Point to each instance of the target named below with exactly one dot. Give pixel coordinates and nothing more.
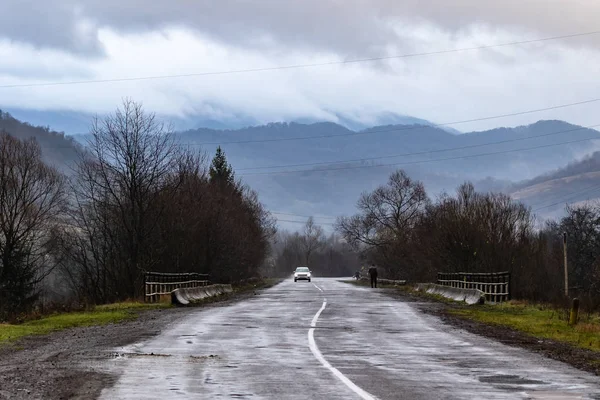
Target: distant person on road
(357, 275)
(373, 275)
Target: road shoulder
(583, 359)
(60, 365)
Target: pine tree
(220, 170)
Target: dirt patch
(586, 360)
(59, 365)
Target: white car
(302, 274)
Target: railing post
(495, 281)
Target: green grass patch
(132, 306)
(539, 321)
(99, 315)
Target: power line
(405, 128)
(424, 161)
(415, 153)
(571, 197)
(560, 196)
(304, 222)
(301, 216)
(295, 66)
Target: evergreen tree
(220, 170)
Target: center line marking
(315, 350)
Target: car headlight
(295, 274)
(309, 274)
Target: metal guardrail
(495, 285)
(158, 284)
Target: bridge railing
(157, 284)
(495, 285)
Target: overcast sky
(64, 40)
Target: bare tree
(383, 227)
(131, 164)
(386, 214)
(312, 239)
(32, 199)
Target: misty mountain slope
(325, 174)
(220, 117)
(493, 158)
(57, 149)
(549, 193)
(476, 155)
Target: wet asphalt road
(362, 345)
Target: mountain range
(321, 168)
(75, 122)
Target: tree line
(136, 201)
(410, 236)
(326, 256)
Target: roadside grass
(540, 321)
(98, 315)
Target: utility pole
(566, 269)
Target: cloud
(344, 27)
(443, 88)
(49, 24)
(68, 40)
(27, 62)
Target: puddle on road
(132, 355)
(542, 395)
(510, 380)
(203, 358)
(516, 383)
(192, 358)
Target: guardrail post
(574, 312)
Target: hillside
(319, 185)
(321, 168)
(58, 149)
(578, 182)
(475, 155)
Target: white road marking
(315, 350)
(317, 287)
